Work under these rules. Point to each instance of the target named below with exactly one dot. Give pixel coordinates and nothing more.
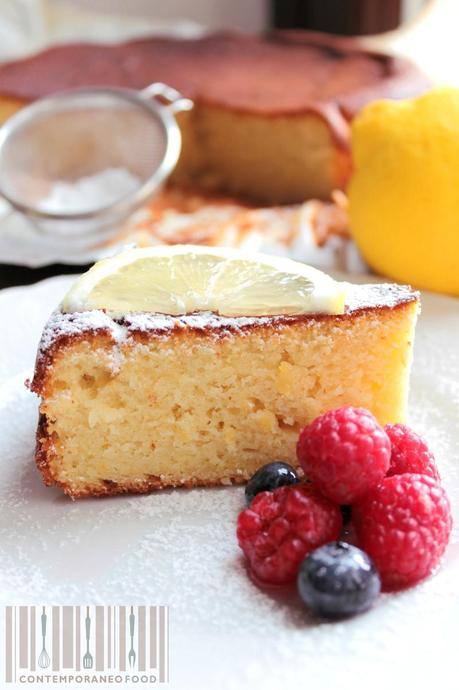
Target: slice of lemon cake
(185, 365)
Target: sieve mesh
(81, 135)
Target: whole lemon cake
(272, 112)
(186, 366)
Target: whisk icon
(43, 659)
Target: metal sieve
(75, 136)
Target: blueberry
(270, 477)
(338, 580)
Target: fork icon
(87, 659)
(131, 655)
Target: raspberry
(345, 453)
(281, 527)
(409, 452)
(404, 526)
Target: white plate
(178, 547)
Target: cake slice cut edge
(150, 401)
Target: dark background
(347, 17)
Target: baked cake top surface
(63, 328)
(280, 73)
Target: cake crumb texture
(187, 409)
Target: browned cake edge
(64, 330)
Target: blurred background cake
(272, 112)
(277, 84)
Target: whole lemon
(404, 192)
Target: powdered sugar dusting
(198, 321)
(121, 329)
(377, 295)
(90, 192)
(178, 547)
(77, 323)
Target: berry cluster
(388, 480)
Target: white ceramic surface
(178, 547)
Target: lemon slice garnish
(183, 279)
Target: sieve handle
(168, 96)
